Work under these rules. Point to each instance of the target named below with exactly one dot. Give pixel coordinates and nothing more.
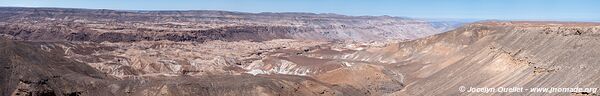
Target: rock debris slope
(502, 54)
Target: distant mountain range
(64, 24)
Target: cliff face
(55, 24)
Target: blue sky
(568, 10)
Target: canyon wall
(58, 24)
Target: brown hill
(503, 54)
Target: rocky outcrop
(29, 70)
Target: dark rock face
(28, 70)
(79, 36)
(56, 24)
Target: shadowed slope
(25, 66)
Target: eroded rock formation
(55, 24)
(229, 53)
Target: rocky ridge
(59, 24)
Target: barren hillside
(48, 51)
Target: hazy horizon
(535, 10)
